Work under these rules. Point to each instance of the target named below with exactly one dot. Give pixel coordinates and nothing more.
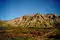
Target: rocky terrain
(32, 27)
(36, 20)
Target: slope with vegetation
(32, 27)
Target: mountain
(35, 27)
(36, 20)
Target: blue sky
(10, 9)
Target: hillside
(32, 27)
(36, 20)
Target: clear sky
(10, 9)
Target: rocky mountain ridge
(36, 20)
(37, 26)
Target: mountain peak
(35, 20)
